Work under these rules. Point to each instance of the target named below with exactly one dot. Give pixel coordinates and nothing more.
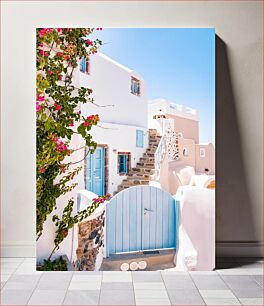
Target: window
(135, 86)
(185, 152)
(139, 139)
(85, 65)
(202, 152)
(123, 163)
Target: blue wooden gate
(141, 218)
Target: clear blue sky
(178, 64)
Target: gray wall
(238, 97)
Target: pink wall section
(188, 127)
(208, 161)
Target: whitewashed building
(122, 134)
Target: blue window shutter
(140, 139)
(123, 159)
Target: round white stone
(133, 266)
(142, 265)
(124, 266)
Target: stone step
(151, 150)
(142, 170)
(147, 159)
(146, 165)
(153, 146)
(138, 176)
(134, 182)
(147, 154)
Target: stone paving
(234, 282)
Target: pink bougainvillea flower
(60, 77)
(42, 170)
(57, 106)
(85, 123)
(40, 98)
(44, 31)
(71, 123)
(42, 52)
(89, 42)
(41, 45)
(59, 30)
(79, 112)
(59, 54)
(50, 72)
(99, 29)
(38, 107)
(67, 57)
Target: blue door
(95, 171)
(141, 218)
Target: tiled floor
(235, 282)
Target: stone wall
(90, 244)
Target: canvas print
(125, 145)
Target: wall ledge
(239, 249)
(18, 249)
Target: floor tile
(217, 294)
(208, 282)
(30, 260)
(240, 281)
(15, 297)
(153, 302)
(26, 268)
(47, 297)
(117, 286)
(117, 297)
(178, 282)
(54, 281)
(150, 276)
(86, 278)
(248, 293)
(254, 271)
(31, 278)
(5, 277)
(234, 271)
(84, 286)
(83, 297)
(117, 277)
(222, 301)
(149, 286)
(151, 294)
(20, 285)
(258, 279)
(8, 270)
(185, 297)
(2, 284)
(251, 301)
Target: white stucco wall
(119, 138)
(111, 85)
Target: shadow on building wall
(234, 209)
